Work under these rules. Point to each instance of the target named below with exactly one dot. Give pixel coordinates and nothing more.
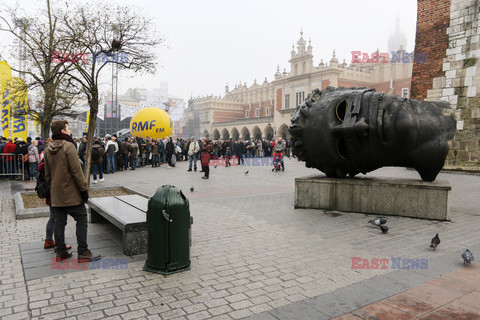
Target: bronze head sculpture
(344, 131)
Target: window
(267, 111)
(287, 101)
(405, 93)
(256, 112)
(299, 97)
(247, 114)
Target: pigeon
(435, 242)
(384, 229)
(467, 257)
(246, 172)
(191, 188)
(378, 222)
(215, 167)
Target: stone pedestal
(380, 196)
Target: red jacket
(9, 148)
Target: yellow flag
(5, 88)
(38, 128)
(87, 121)
(19, 105)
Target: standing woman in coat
(205, 158)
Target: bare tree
(45, 69)
(109, 34)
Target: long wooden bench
(129, 214)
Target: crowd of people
(111, 154)
(56, 163)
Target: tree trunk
(48, 106)
(90, 134)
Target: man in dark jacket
(68, 190)
(126, 148)
(22, 150)
(239, 150)
(98, 156)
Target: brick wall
(219, 116)
(398, 85)
(433, 19)
(279, 99)
(326, 83)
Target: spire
(398, 38)
(334, 60)
(278, 75)
(227, 89)
(321, 64)
(301, 44)
(293, 53)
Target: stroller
(277, 162)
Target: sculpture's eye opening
(341, 110)
(342, 149)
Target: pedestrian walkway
(453, 296)
(252, 253)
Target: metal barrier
(12, 165)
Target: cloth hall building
(263, 110)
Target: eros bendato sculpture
(344, 131)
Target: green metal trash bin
(168, 225)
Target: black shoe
(195, 169)
(204, 177)
(190, 169)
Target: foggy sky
(209, 43)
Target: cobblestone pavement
(252, 253)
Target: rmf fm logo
(146, 125)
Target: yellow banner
(87, 121)
(5, 88)
(38, 128)
(19, 106)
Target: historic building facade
(263, 110)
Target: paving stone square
(252, 256)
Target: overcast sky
(211, 42)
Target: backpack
(95, 154)
(41, 187)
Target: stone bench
(129, 214)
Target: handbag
(42, 189)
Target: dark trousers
(50, 225)
(206, 169)
(240, 158)
(97, 167)
(155, 160)
(133, 162)
(126, 160)
(79, 214)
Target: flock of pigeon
(467, 255)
